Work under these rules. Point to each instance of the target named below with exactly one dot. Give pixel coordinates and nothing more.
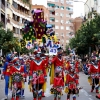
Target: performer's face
(60, 74)
(38, 55)
(18, 62)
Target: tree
(87, 36)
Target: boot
(68, 96)
(39, 98)
(55, 98)
(34, 99)
(43, 94)
(91, 90)
(98, 96)
(12, 98)
(74, 97)
(17, 97)
(97, 91)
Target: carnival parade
(46, 61)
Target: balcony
(20, 2)
(51, 8)
(16, 22)
(20, 12)
(51, 15)
(52, 22)
(17, 35)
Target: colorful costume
(71, 83)
(58, 85)
(98, 95)
(93, 76)
(57, 63)
(37, 76)
(6, 72)
(18, 75)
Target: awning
(50, 4)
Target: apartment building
(43, 8)
(60, 12)
(14, 13)
(77, 23)
(91, 7)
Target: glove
(45, 79)
(50, 62)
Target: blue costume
(6, 73)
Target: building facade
(15, 12)
(60, 12)
(77, 23)
(91, 7)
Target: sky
(78, 7)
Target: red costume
(77, 66)
(58, 85)
(37, 66)
(93, 72)
(58, 62)
(58, 82)
(20, 69)
(72, 80)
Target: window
(67, 41)
(67, 15)
(69, 2)
(56, 27)
(56, 7)
(62, 27)
(62, 41)
(61, 14)
(67, 34)
(15, 5)
(62, 34)
(57, 14)
(62, 21)
(67, 28)
(56, 0)
(57, 34)
(56, 20)
(67, 22)
(62, 8)
(62, 1)
(69, 8)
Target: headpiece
(15, 59)
(9, 57)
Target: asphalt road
(85, 93)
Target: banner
(52, 51)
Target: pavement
(84, 94)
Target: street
(85, 93)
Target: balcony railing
(51, 15)
(18, 11)
(27, 4)
(16, 22)
(51, 8)
(3, 6)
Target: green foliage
(28, 2)
(24, 50)
(8, 42)
(67, 49)
(87, 36)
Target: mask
(17, 62)
(59, 55)
(38, 55)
